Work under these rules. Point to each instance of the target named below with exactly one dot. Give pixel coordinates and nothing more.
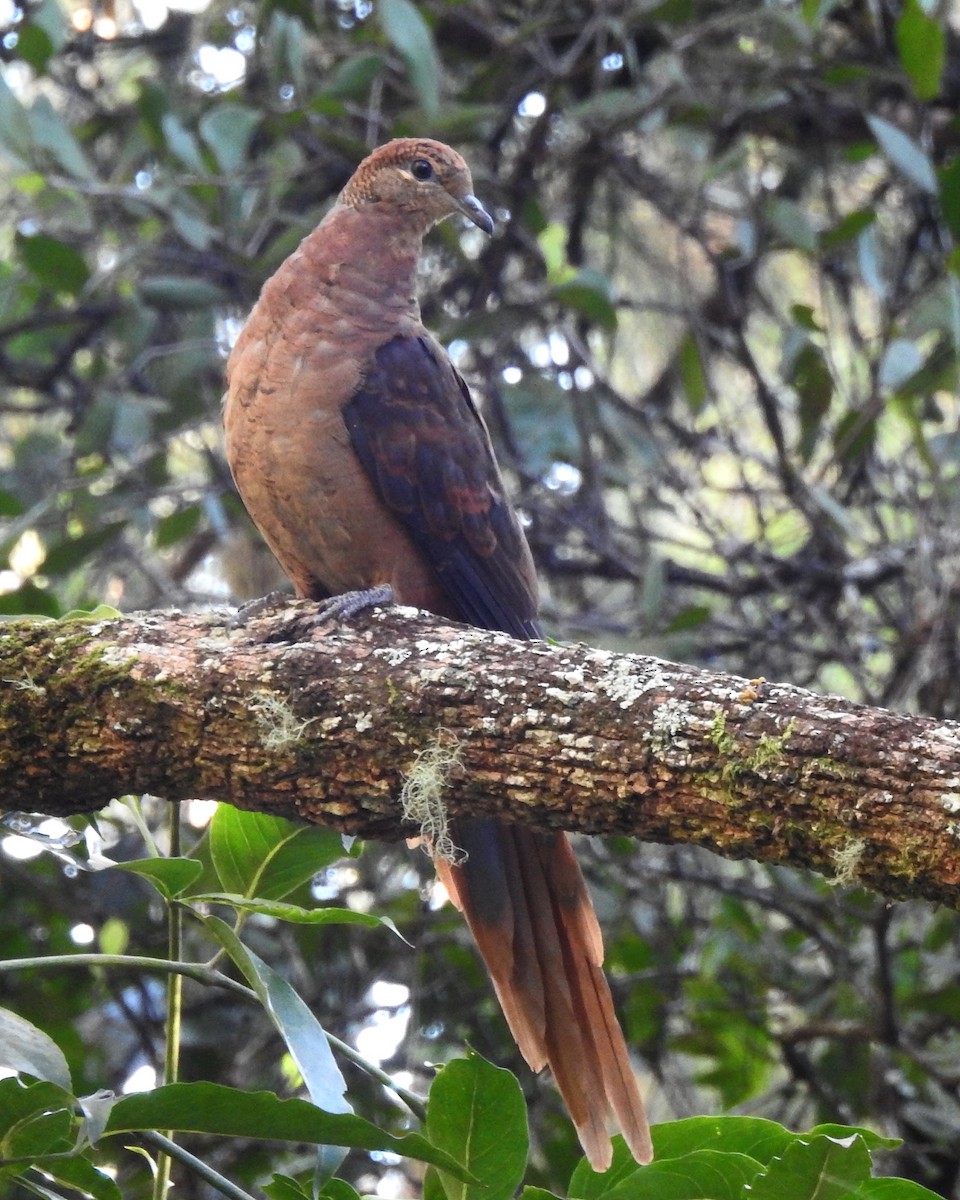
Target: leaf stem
(410, 1099)
(169, 1149)
(196, 971)
(210, 978)
(171, 1055)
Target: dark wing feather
(414, 427)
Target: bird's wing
(424, 446)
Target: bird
(362, 458)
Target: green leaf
(605, 110)
(114, 936)
(24, 1047)
(847, 228)
(893, 1189)
(352, 78)
(805, 317)
(410, 36)
(922, 46)
(34, 1119)
(904, 153)
(932, 309)
(228, 130)
(713, 1174)
(301, 12)
(19, 1101)
(177, 292)
(78, 1174)
(588, 1184)
(116, 420)
(181, 143)
(282, 1187)
(266, 857)
(949, 176)
(34, 46)
(690, 617)
(338, 1189)
(811, 377)
(465, 122)
(588, 292)
(213, 1108)
(854, 435)
(793, 224)
(51, 133)
(870, 1138)
(545, 442)
(552, 240)
(901, 360)
(822, 1168)
(814, 11)
(195, 230)
(432, 1186)
(692, 374)
(294, 913)
(28, 599)
(476, 1113)
(303, 1034)
(49, 16)
(10, 505)
(178, 525)
(15, 134)
(57, 265)
(100, 612)
(72, 552)
(753, 1136)
(170, 876)
(741, 1057)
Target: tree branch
(326, 723)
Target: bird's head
(420, 177)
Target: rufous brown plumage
(360, 456)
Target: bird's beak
(471, 207)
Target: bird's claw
(348, 604)
(262, 606)
(301, 623)
(336, 609)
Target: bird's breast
(294, 464)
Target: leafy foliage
(716, 335)
(476, 1132)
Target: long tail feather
(527, 905)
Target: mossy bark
(325, 723)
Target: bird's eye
(421, 169)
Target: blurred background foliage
(715, 336)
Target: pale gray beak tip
(471, 207)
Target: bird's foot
(336, 609)
(261, 607)
(348, 604)
(301, 623)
